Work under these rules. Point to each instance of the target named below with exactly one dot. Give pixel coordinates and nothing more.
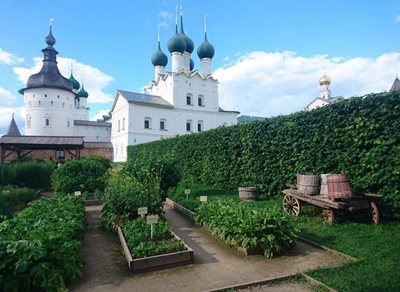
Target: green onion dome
(159, 58)
(83, 92)
(176, 43)
(205, 50)
(188, 42)
(191, 64)
(75, 83)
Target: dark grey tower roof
(396, 85)
(13, 129)
(49, 76)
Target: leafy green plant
(32, 174)
(86, 174)
(12, 196)
(239, 224)
(358, 136)
(125, 193)
(138, 236)
(41, 247)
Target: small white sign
(187, 191)
(142, 211)
(152, 219)
(78, 193)
(203, 198)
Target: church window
(63, 104)
(123, 124)
(200, 126)
(47, 120)
(68, 123)
(45, 95)
(189, 125)
(58, 96)
(119, 125)
(39, 103)
(51, 103)
(28, 121)
(163, 124)
(189, 99)
(200, 101)
(147, 123)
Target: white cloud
(100, 114)
(268, 84)
(94, 80)
(6, 97)
(397, 19)
(7, 58)
(5, 118)
(165, 18)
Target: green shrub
(125, 193)
(32, 174)
(40, 248)
(242, 225)
(138, 238)
(359, 136)
(12, 196)
(168, 172)
(87, 174)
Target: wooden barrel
(339, 187)
(307, 183)
(324, 184)
(248, 193)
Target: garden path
(215, 265)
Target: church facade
(179, 102)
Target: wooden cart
(292, 201)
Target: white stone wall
(93, 133)
(49, 112)
(316, 103)
(120, 129)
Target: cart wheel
(291, 205)
(374, 213)
(329, 215)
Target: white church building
(324, 97)
(179, 102)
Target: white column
(157, 71)
(177, 62)
(206, 66)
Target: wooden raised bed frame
(156, 262)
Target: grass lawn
(376, 247)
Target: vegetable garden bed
(179, 253)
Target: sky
(269, 54)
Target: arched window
(189, 125)
(68, 123)
(123, 123)
(147, 123)
(163, 124)
(47, 120)
(189, 99)
(119, 125)
(200, 100)
(28, 121)
(199, 126)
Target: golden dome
(325, 80)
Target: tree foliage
(359, 136)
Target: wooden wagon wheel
(291, 205)
(374, 213)
(329, 215)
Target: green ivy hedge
(359, 135)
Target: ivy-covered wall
(360, 136)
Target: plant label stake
(78, 193)
(203, 198)
(142, 211)
(187, 193)
(152, 219)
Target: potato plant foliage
(40, 248)
(138, 237)
(241, 225)
(359, 135)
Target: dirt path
(215, 265)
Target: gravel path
(215, 266)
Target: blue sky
(269, 54)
